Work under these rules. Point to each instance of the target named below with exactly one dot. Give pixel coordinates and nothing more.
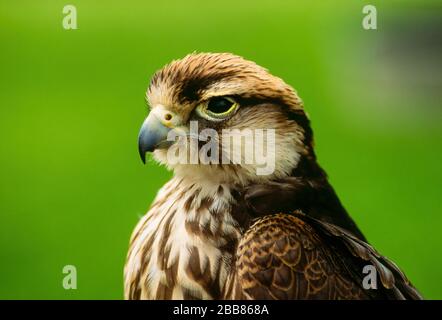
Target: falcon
(220, 230)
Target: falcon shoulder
(293, 256)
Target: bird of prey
(223, 231)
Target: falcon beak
(153, 133)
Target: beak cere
(152, 133)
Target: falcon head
(233, 99)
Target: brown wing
(356, 253)
(295, 257)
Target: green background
(71, 103)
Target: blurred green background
(72, 101)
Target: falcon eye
(219, 105)
(217, 108)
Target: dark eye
(219, 105)
(217, 108)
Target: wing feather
(294, 256)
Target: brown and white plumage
(221, 231)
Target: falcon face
(224, 92)
(220, 229)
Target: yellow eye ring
(217, 108)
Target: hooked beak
(153, 133)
